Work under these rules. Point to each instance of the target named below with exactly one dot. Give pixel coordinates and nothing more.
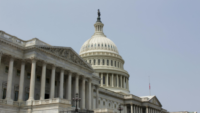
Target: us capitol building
(36, 77)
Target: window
(47, 80)
(115, 105)
(28, 75)
(111, 46)
(104, 103)
(26, 96)
(38, 78)
(105, 45)
(95, 45)
(103, 61)
(16, 96)
(55, 83)
(115, 63)
(111, 63)
(94, 62)
(4, 93)
(99, 62)
(98, 45)
(90, 61)
(99, 101)
(6, 69)
(91, 45)
(108, 62)
(102, 45)
(18, 72)
(104, 81)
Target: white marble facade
(36, 77)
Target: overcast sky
(156, 38)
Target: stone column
(128, 84)
(61, 83)
(77, 84)
(32, 81)
(0, 57)
(101, 61)
(69, 85)
(21, 82)
(132, 108)
(124, 82)
(89, 93)
(107, 79)
(117, 80)
(83, 94)
(43, 81)
(97, 97)
(121, 80)
(138, 109)
(92, 96)
(101, 79)
(52, 90)
(112, 80)
(125, 108)
(9, 81)
(147, 111)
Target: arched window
(90, 61)
(103, 61)
(105, 45)
(95, 45)
(111, 63)
(88, 46)
(92, 45)
(111, 46)
(108, 45)
(98, 45)
(94, 61)
(102, 45)
(108, 62)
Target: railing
(20, 42)
(35, 102)
(79, 111)
(132, 97)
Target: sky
(156, 38)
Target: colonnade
(114, 80)
(105, 62)
(141, 109)
(69, 89)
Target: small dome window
(88, 46)
(108, 45)
(92, 45)
(102, 45)
(95, 45)
(98, 45)
(105, 45)
(111, 46)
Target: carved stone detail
(66, 54)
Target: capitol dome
(99, 43)
(102, 54)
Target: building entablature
(102, 54)
(111, 70)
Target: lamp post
(120, 108)
(76, 99)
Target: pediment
(67, 53)
(154, 100)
